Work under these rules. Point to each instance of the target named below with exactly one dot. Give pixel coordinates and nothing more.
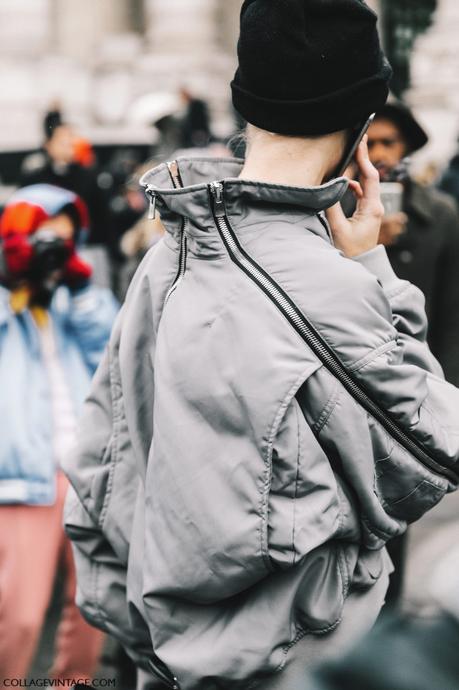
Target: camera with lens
(50, 253)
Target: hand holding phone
(354, 142)
(359, 234)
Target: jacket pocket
(307, 507)
(405, 488)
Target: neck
(293, 161)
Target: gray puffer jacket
(267, 416)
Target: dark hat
(398, 113)
(30, 206)
(51, 121)
(309, 67)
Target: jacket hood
(192, 200)
(30, 206)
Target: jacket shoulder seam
(373, 355)
(402, 287)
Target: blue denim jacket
(82, 323)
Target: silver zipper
(176, 178)
(182, 260)
(152, 204)
(174, 172)
(149, 191)
(312, 338)
(162, 672)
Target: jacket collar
(193, 199)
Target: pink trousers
(32, 547)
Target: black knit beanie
(309, 67)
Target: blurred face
(61, 145)
(61, 226)
(386, 146)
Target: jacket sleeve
(407, 305)
(402, 458)
(405, 378)
(92, 312)
(100, 532)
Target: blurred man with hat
(422, 242)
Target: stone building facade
(434, 93)
(96, 57)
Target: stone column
(81, 26)
(24, 27)
(181, 26)
(77, 27)
(228, 24)
(114, 16)
(435, 82)
(24, 36)
(186, 49)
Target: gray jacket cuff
(377, 262)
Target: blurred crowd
(117, 234)
(72, 236)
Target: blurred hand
(359, 234)
(76, 273)
(18, 254)
(392, 227)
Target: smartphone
(354, 141)
(392, 197)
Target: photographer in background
(422, 242)
(54, 326)
(60, 167)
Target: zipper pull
(216, 189)
(151, 205)
(162, 672)
(174, 172)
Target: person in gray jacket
(268, 414)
